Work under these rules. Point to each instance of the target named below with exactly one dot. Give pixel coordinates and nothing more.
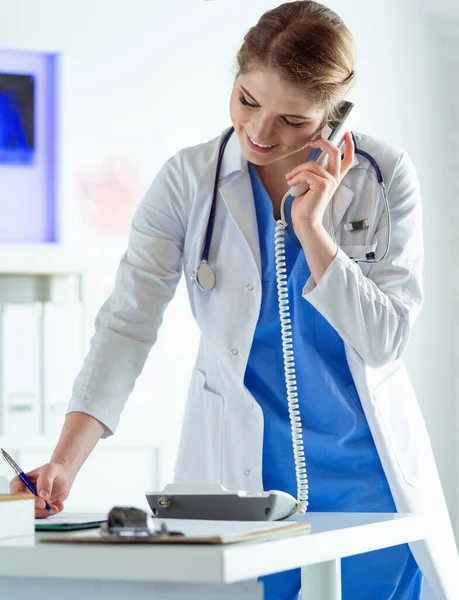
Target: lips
(257, 148)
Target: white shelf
(41, 259)
(49, 440)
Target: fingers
(45, 482)
(296, 170)
(16, 486)
(42, 513)
(45, 478)
(333, 152)
(57, 507)
(349, 154)
(302, 174)
(311, 178)
(312, 173)
(52, 486)
(336, 167)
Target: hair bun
(350, 77)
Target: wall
(446, 86)
(141, 79)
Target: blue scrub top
(343, 465)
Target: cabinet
(47, 286)
(118, 472)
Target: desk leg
(321, 581)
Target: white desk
(56, 571)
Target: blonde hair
(305, 43)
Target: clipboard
(67, 526)
(181, 531)
(70, 522)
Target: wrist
(70, 470)
(310, 228)
(314, 225)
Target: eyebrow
(294, 116)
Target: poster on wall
(29, 153)
(17, 119)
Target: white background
(143, 78)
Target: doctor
(366, 445)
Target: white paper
(189, 527)
(65, 518)
(223, 529)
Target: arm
(53, 481)
(126, 328)
(80, 434)
(128, 322)
(319, 248)
(375, 313)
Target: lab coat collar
(233, 160)
(236, 189)
(235, 185)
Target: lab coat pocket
(356, 251)
(212, 407)
(402, 422)
(359, 251)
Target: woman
(365, 442)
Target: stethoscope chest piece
(204, 277)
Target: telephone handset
(333, 131)
(213, 501)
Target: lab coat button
(250, 287)
(234, 351)
(247, 472)
(250, 406)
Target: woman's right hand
(53, 485)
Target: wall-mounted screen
(17, 118)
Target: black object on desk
(133, 522)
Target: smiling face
(273, 119)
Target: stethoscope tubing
(207, 281)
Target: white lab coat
(372, 307)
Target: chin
(259, 161)
(253, 156)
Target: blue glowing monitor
(17, 119)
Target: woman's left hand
(309, 208)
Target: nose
(262, 132)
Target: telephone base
(215, 503)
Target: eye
(243, 100)
(292, 124)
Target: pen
(22, 476)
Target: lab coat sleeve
(127, 324)
(374, 313)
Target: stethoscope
(204, 275)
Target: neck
(278, 169)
